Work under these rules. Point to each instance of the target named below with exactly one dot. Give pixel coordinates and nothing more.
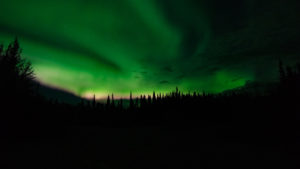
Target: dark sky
(89, 46)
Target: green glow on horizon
(103, 47)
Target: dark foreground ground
(147, 147)
(179, 132)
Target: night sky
(118, 46)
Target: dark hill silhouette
(255, 88)
(54, 94)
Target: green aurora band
(99, 47)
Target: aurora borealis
(102, 46)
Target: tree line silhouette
(20, 100)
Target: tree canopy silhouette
(16, 72)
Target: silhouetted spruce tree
(282, 74)
(144, 100)
(141, 101)
(154, 98)
(108, 102)
(136, 102)
(131, 104)
(177, 92)
(149, 100)
(16, 73)
(94, 101)
(194, 94)
(112, 101)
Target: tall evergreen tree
(112, 101)
(108, 102)
(282, 74)
(94, 101)
(131, 104)
(16, 72)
